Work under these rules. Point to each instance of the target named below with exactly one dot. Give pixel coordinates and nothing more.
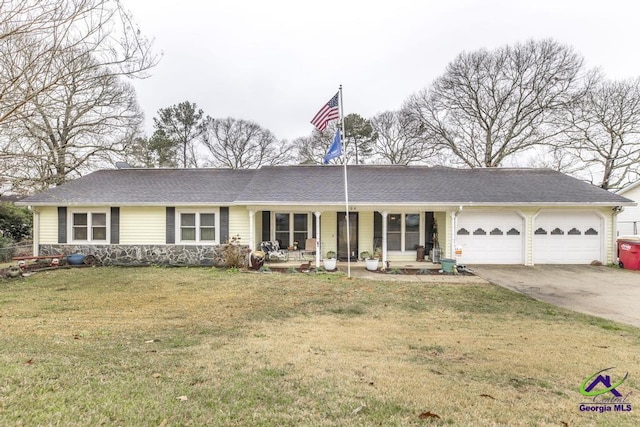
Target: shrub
(234, 255)
(15, 222)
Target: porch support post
(384, 239)
(318, 246)
(454, 227)
(252, 230)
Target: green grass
(199, 346)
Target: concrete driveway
(606, 292)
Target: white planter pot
(372, 264)
(329, 264)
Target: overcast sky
(276, 62)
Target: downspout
(35, 231)
(614, 233)
(454, 226)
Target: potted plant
(330, 261)
(371, 261)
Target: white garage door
(567, 238)
(490, 237)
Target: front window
(188, 227)
(411, 232)
(89, 226)
(300, 226)
(403, 232)
(282, 228)
(292, 227)
(394, 232)
(197, 227)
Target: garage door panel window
(540, 231)
(479, 232)
(591, 232)
(513, 232)
(496, 232)
(557, 232)
(463, 232)
(574, 232)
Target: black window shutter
(224, 224)
(171, 225)
(62, 224)
(115, 226)
(377, 230)
(313, 226)
(428, 231)
(266, 226)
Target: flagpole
(346, 186)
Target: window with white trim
(89, 226)
(290, 227)
(403, 231)
(197, 226)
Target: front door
(353, 235)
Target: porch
(355, 265)
(396, 237)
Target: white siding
(238, 224)
(365, 232)
(48, 233)
(630, 213)
(143, 225)
(328, 229)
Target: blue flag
(335, 150)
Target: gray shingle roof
(147, 187)
(325, 185)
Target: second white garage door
(490, 237)
(567, 238)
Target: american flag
(328, 112)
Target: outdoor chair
(273, 252)
(309, 248)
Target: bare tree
(183, 124)
(35, 33)
(604, 132)
(311, 149)
(490, 105)
(83, 121)
(242, 144)
(398, 142)
(358, 137)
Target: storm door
(342, 235)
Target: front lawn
(196, 346)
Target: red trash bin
(629, 254)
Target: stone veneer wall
(143, 254)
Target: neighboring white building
(629, 218)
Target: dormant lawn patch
(156, 346)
